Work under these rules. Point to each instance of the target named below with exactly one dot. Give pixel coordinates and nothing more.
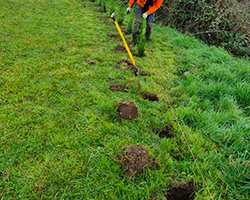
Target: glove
(144, 15)
(128, 10)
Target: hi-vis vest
(155, 4)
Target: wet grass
(60, 133)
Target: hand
(128, 10)
(144, 15)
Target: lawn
(61, 135)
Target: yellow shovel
(125, 44)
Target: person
(145, 9)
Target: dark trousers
(150, 19)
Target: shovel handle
(123, 39)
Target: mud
(181, 191)
(127, 110)
(164, 133)
(117, 88)
(150, 97)
(136, 160)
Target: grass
(60, 134)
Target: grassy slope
(60, 135)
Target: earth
(119, 88)
(127, 110)
(136, 160)
(181, 191)
(164, 133)
(150, 97)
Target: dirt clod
(127, 110)
(181, 191)
(119, 88)
(150, 97)
(112, 35)
(136, 160)
(121, 48)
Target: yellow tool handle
(123, 39)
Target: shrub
(141, 40)
(217, 22)
(130, 24)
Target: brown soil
(112, 35)
(165, 133)
(129, 65)
(120, 48)
(181, 191)
(150, 97)
(127, 110)
(119, 88)
(136, 160)
(125, 61)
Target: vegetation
(222, 23)
(141, 40)
(61, 137)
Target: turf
(61, 137)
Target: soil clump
(136, 160)
(117, 88)
(127, 110)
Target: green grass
(60, 133)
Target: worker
(145, 9)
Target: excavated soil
(120, 48)
(150, 97)
(181, 191)
(129, 65)
(117, 88)
(136, 160)
(112, 35)
(127, 110)
(164, 133)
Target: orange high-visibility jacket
(156, 5)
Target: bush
(141, 40)
(217, 22)
(130, 24)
